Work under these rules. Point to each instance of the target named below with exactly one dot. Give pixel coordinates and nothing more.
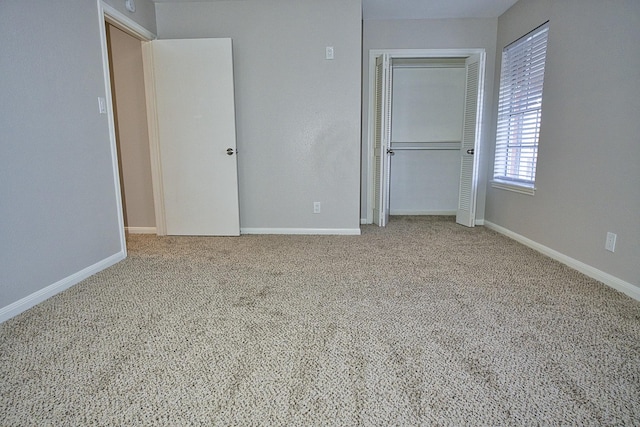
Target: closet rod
(425, 142)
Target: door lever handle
(471, 151)
(391, 152)
(230, 151)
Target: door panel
(382, 137)
(468, 153)
(196, 128)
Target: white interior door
(194, 94)
(466, 214)
(382, 139)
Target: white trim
(421, 213)
(111, 125)
(308, 231)
(480, 221)
(364, 221)
(371, 137)
(140, 230)
(407, 53)
(606, 278)
(426, 53)
(37, 297)
(154, 143)
(514, 187)
(125, 23)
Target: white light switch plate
(328, 52)
(102, 105)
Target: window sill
(514, 187)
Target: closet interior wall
(426, 130)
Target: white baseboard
(140, 230)
(364, 221)
(409, 212)
(606, 278)
(312, 231)
(37, 297)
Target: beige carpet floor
(422, 323)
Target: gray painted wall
(430, 34)
(588, 176)
(58, 211)
(298, 115)
(424, 182)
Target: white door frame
(108, 14)
(403, 53)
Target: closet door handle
(471, 151)
(390, 152)
(230, 151)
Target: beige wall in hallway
(131, 125)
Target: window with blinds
(520, 111)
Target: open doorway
(129, 105)
(132, 137)
(189, 148)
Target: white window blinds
(520, 109)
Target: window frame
(519, 115)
